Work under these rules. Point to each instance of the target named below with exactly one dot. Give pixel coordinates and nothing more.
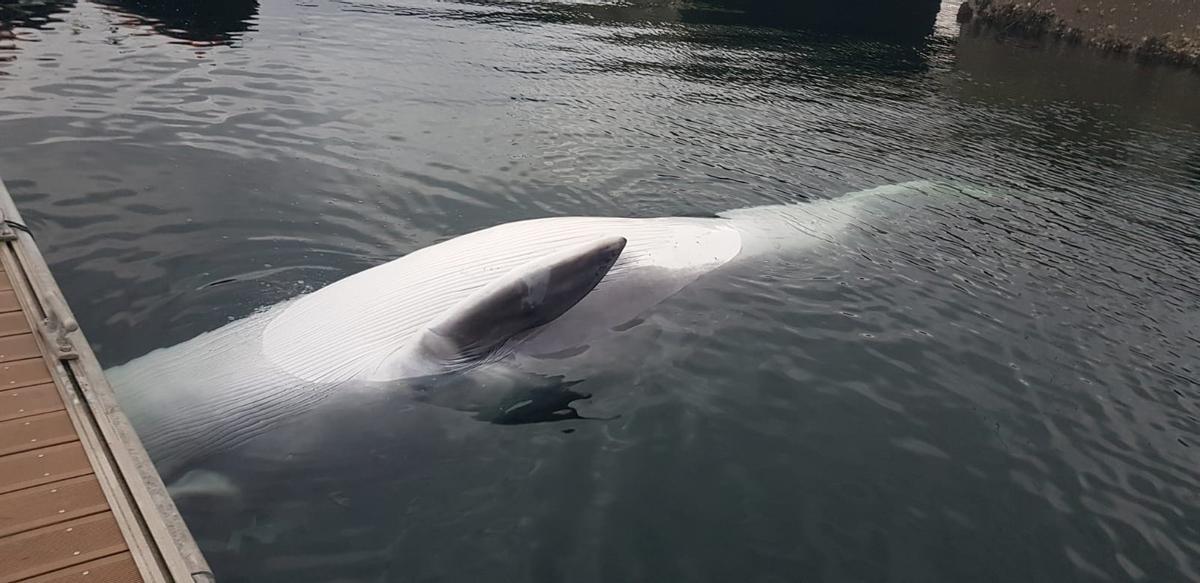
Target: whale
(528, 295)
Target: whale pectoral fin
(530, 295)
(202, 483)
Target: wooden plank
(52, 548)
(118, 568)
(24, 373)
(125, 510)
(13, 323)
(158, 547)
(18, 348)
(9, 301)
(49, 504)
(35, 431)
(42, 466)
(26, 401)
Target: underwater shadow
(507, 398)
(762, 43)
(35, 15)
(26, 15)
(201, 22)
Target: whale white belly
(343, 331)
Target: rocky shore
(1148, 30)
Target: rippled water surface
(999, 389)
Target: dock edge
(161, 544)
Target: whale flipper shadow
(510, 399)
(540, 405)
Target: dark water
(1000, 390)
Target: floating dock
(79, 498)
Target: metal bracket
(6, 231)
(58, 325)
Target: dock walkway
(79, 498)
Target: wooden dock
(79, 498)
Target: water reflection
(35, 14)
(738, 42)
(883, 18)
(28, 15)
(199, 22)
(741, 57)
(1020, 72)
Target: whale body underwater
(528, 294)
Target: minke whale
(528, 293)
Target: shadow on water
(899, 19)
(545, 404)
(203, 22)
(878, 18)
(1096, 108)
(27, 15)
(1020, 72)
(507, 399)
(35, 15)
(743, 42)
(742, 57)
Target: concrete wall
(1160, 30)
